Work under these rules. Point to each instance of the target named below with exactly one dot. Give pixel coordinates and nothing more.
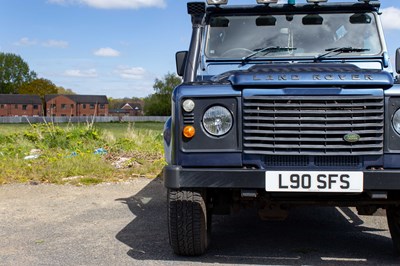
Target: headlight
(218, 120)
(396, 121)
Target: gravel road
(125, 224)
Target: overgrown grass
(80, 154)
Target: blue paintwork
(173, 154)
(371, 76)
(382, 78)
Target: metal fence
(79, 119)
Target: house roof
(100, 99)
(132, 106)
(19, 99)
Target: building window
(35, 107)
(24, 107)
(84, 106)
(63, 106)
(91, 106)
(16, 106)
(72, 106)
(63, 115)
(1, 106)
(53, 106)
(102, 106)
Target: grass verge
(80, 154)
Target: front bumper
(176, 177)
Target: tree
(39, 87)
(14, 72)
(118, 103)
(159, 103)
(62, 90)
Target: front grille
(337, 161)
(313, 125)
(304, 161)
(273, 161)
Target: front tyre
(393, 217)
(187, 222)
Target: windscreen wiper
(340, 50)
(267, 50)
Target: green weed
(80, 154)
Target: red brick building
(20, 105)
(76, 105)
(128, 109)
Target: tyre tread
(187, 224)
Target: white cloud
(390, 18)
(113, 4)
(25, 41)
(136, 73)
(55, 44)
(90, 73)
(107, 52)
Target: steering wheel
(236, 52)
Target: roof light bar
(217, 2)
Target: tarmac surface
(125, 224)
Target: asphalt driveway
(125, 224)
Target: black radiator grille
(313, 125)
(306, 161)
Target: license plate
(302, 181)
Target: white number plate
(290, 181)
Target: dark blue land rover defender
(282, 105)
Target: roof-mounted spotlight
(316, 1)
(267, 2)
(217, 2)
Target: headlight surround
(396, 121)
(217, 121)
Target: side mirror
(398, 61)
(181, 58)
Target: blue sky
(112, 47)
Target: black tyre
(187, 222)
(393, 217)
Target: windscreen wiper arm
(266, 50)
(340, 50)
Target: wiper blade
(341, 50)
(267, 50)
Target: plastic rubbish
(100, 151)
(30, 157)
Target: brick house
(128, 109)
(20, 105)
(76, 105)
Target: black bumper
(176, 177)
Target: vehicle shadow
(310, 235)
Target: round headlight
(396, 121)
(217, 121)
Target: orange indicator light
(189, 132)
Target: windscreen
(292, 35)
